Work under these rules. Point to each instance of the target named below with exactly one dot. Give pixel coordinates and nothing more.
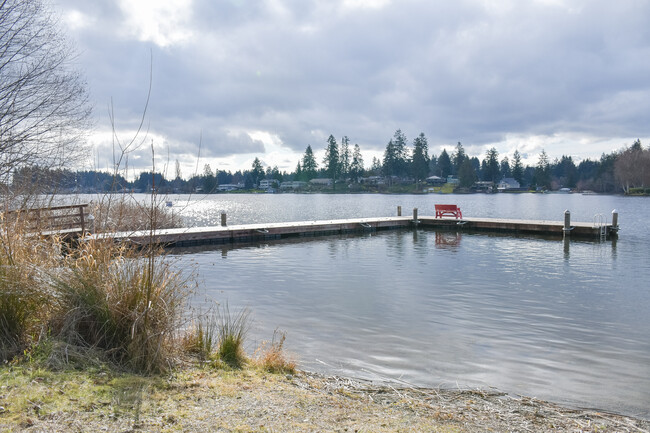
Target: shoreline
(194, 399)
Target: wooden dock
(181, 237)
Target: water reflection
(448, 240)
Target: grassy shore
(195, 399)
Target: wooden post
(82, 219)
(223, 219)
(567, 223)
(615, 219)
(415, 215)
(399, 210)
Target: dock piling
(223, 219)
(399, 210)
(415, 215)
(567, 223)
(615, 219)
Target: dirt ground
(251, 400)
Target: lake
(566, 321)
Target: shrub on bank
(103, 302)
(111, 298)
(24, 306)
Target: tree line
(627, 170)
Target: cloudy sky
(237, 79)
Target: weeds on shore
(103, 302)
(232, 330)
(201, 338)
(24, 262)
(112, 299)
(273, 358)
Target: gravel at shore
(251, 400)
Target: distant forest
(625, 171)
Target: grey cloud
(453, 70)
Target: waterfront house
(508, 183)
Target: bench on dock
(64, 220)
(448, 209)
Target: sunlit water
(564, 321)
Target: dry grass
(115, 213)
(24, 263)
(232, 330)
(201, 337)
(98, 298)
(273, 358)
(113, 299)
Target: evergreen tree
(309, 165)
(356, 167)
(376, 167)
(565, 172)
(457, 158)
(543, 172)
(331, 160)
(298, 175)
(505, 167)
(517, 168)
(491, 171)
(420, 164)
(257, 172)
(209, 179)
(467, 174)
(444, 165)
(390, 164)
(401, 153)
(344, 157)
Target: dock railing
(53, 219)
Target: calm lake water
(563, 321)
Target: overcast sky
(236, 79)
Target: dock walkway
(180, 237)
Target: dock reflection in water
(551, 319)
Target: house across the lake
(508, 183)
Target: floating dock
(182, 237)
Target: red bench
(448, 209)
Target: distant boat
(565, 190)
(169, 203)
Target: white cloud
(163, 22)
(365, 4)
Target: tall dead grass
(124, 303)
(24, 263)
(124, 214)
(129, 306)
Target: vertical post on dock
(223, 219)
(399, 210)
(415, 215)
(613, 230)
(567, 223)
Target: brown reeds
(122, 213)
(24, 263)
(128, 306)
(273, 358)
